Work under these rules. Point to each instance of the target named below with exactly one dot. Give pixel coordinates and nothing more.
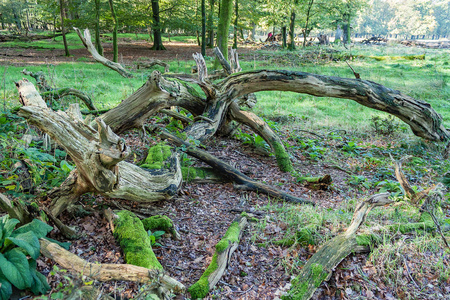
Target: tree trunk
(203, 28)
(63, 30)
(116, 27)
(338, 34)
(98, 42)
(308, 15)
(346, 29)
(226, 10)
(284, 37)
(157, 39)
(236, 17)
(291, 31)
(211, 24)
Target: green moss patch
(231, 236)
(157, 155)
(159, 222)
(133, 239)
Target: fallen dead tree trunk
(321, 265)
(220, 260)
(424, 121)
(98, 156)
(107, 272)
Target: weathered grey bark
(87, 42)
(321, 265)
(107, 272)
(98, 155)
(424, 121)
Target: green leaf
(39, 228)
(60, 153)
(158, 234)
(14, 265)
(65, 245)
(28, 241)
(8, 227)
(39, 283)
(66, 167)
(5, 288)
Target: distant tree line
(209, 18)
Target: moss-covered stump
(163, 223)
(221, 258)
(321, 265)
(134, 241)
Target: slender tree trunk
(203, 28)
(283, 34)
(98, 43)
(116, 27)
(157, 40)
(308, 15)
(236, 11)
(211, 24)
(226, 10)
(63, 30)
(291, 31)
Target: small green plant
(384, 126)
(19, 249)
(253, 140)
(312, 148)
(154, 236)
(358, 180)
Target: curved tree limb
(87, 42)
(424, 121)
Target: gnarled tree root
(107, 272)
(321, 265)
(220, 260)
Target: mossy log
(107, 272)
(159, 222)
(220, 260)
(321, 265)
(241, 180)
(129, 231)
(98, 156)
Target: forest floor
(407, 266)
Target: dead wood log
(242, 181)
(153, 62)
(157, 93)
(15, 209)
(98, 156)
(107, 272)
(321, 265)
(50, 94)
(424, 121)
(220, 260)
(87, 42)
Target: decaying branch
(321, 265)
(87, 42)
(242, 181)
(107, 272)
(220, 260)
(153, 62)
